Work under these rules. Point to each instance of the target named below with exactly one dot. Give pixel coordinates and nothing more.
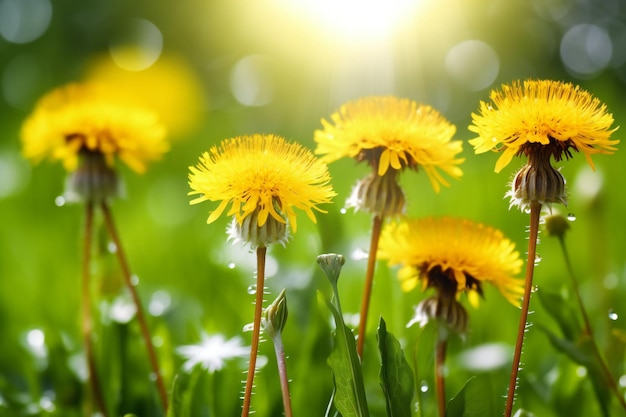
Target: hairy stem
(87, 322)
(282, 372)
(369, 279)
(256, 328)
(588, 329)
(535, 211)
(141, 317)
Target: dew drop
(231, 265)
(424, 386)
(59, 201)
(252, 289)
(248, 327)
(35, 338)
(527, 210)
(134, 280)
(535, 288)
(571, 217)
(112, 247)
(537, 259)
(613, 315)
(343, 210)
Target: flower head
(542, 116)
(90, 118)
(452, 255)
(263, 176)
(212, 352)
(169, 87)
(392, 133)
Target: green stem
(535, 211)
(369, 279)
(440, 360)
(256, 328)
(416, 375)
(141, 317)
(588, 329)
(279, 348)
(87, 322)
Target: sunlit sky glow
(355, 19)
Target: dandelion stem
(440, 359)
(141, 317)
(279, 348)
(256, 328)
(535, 211)
(87, 323)
(588, 329)
(369, 279)
(416, 375)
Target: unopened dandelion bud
(331, 264)
(539, 183)
(276, 316)
(556, 225)
(380, 195)
(93, 181)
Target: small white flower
(212, 352)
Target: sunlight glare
(364, 19)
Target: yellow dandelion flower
(263, 175)
(88, 117)
(169, 87)
(389, 132)
(549, 115)
(452, 253)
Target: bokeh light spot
(473, 64)
(586, 49)
(23, 21)
(251, 82)
(139, 46)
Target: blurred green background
(279, 67)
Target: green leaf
(562, 312)
(396, 376)
(178, 397)
(349, 395)
(471, 400)
(581, 352)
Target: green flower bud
(275, 316)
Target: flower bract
(392, 133)
(262, 175)
(542, 116)
(91, 118)
(452, 253)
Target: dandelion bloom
(88, 117)
(452, 253)
(552, 116)
(389, 132)
(169, 87)
(261, 175)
